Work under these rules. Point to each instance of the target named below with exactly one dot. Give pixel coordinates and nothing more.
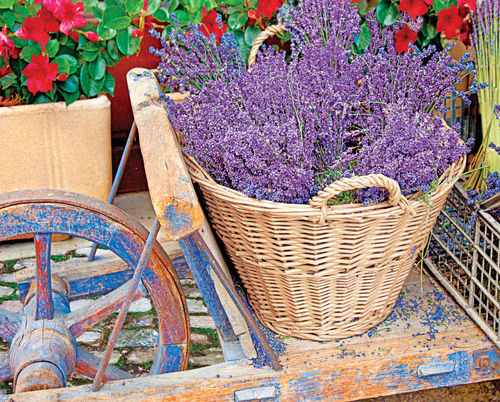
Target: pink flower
(41, 74)
(70, 14)
(468, 3)
(92, 36)
(50, 23)
(7, 47)
(33, 29)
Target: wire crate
(464, 254)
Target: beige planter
(57, 146)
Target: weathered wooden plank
(9, 324)
(84, 318)
(5, 373)
(172, 193)
(44, 303)
(87, 363)
(86, 279)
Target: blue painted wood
(134, 283)
(200, 268)
(5, 373)
(87, 363)
(167, 359)
(44, 304)
(9, 324)
(42, 211)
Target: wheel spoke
(87, 363)
(81, 320)
(5, 373)
(9, 324)
(44, 303)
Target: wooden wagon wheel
(43, 349)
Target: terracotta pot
(57, 146)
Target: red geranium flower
(50, 5)
(268, 7)
(210, 25)
(449, 22)
(429, 2)
(403, 38)
(71, 15)
(50, 23)
(33, 29)
(413, 7)
(7, 47)
(41, 74)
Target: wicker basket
(319, 272)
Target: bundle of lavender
(486, 45)
(295, 123)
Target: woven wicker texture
(315, 271)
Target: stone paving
(136, 344)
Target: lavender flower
(289, 127)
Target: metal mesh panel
(464, 255)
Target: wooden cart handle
(269, 32)
(358, 183)
(172, 193)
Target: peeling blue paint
(177, 223)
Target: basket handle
(269, 32)
(358, 183)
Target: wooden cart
(426, 342)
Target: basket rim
(201, 176)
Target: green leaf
(127, 44)
(109, 60)
(192, 5)
(237, 19)
(7, 80)
(8, 18)
(29, 51)
(7, 4)
(115, 18)
(91, 87)
(52, 47)
(209, 4)
(172, 5)
(429, 28)
(90, 56)
(71, 85)
(153, 5)
(113, 50)
(105, 33)
(97, 68)
(442, 4)
(113, 3)
(134, 7)
(251, 34)
(63, 66)
(109, 84)
(69, 97)
(161, 15)
(234, 2)
(362, 41)
(70, 60)
(387, 12)
(365, 6)
(243, 48)
(42, 98)
(89, 4)
(182, 17)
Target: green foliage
(115, 29)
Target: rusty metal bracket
(487, 359)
